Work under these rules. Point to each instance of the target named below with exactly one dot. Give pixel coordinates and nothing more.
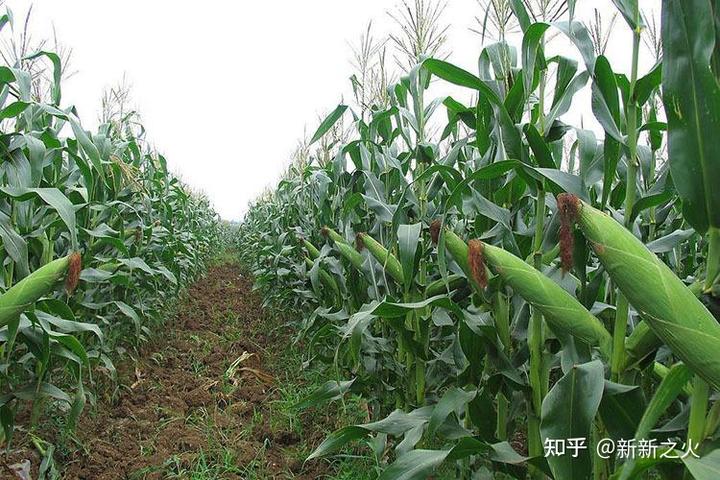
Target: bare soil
(206, 384)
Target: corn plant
(99, 210)
(494, 280)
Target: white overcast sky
(226, 88)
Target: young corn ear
(459, 251)
(670, 309)
(440, 286)
(332, 234)
(27, 291)
(350, 254)
(383, 256)
(325, 277)
(561, 310)
(313, 252)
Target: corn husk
(21, 296)
(670, 308)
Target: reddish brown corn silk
(476, 261)
(73, 273)
(569, 208)
(359, 243)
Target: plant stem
(535, 340)
(502, 324)
(618, 354)
(622, 307)
(502, 318)
(419, 106)
(631, 116)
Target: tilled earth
(204, 388)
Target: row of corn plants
(497, 283)
(97, 212)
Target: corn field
(97, 238)
(495, 283)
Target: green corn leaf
(408, 240)
(330, 390)
(667, 392)
(641, 342)
(649, 201)
(458, 76)
(706, 467)
(328, 123)
(647, 84)
(452, 400)
(391, 309)
(339, 439)
(521, 14)
(57, 72)
(414, 465)
(55, 199)
(568, 411)
(692, 104)
(13, 110)
(531, 49)
(628, 8)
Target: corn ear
(325, 277)
(332, 234)
(387, 260)
(670, 309)
(440, 286)
(561, 310)
(459, 250)
(643, 341)
(313, 252)
(27, 291)
(350, 254)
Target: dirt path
(206, 399)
